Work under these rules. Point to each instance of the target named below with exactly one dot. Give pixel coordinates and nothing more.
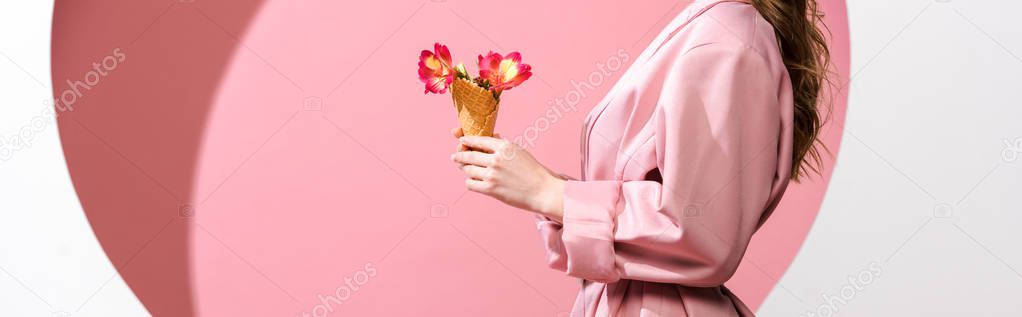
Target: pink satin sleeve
(716, 144)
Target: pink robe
(682, 161)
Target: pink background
(216, 192)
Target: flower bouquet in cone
(476, 100)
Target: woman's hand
(498, 168)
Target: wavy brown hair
(799, 27)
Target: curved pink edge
(775, 246)
(131, 124)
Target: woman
(682, 161)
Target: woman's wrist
(551, 199)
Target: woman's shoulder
(734, 24)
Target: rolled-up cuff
(590, 209)
(550, 232)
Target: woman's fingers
(478, 185)
(485, 144)
(476, 172)
(473, 158)
(458, 133)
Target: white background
(922, 190)
(50, 262)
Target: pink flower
(436, 69)
(503, 73)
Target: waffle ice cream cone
(477, 108)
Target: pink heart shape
(270, 158)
